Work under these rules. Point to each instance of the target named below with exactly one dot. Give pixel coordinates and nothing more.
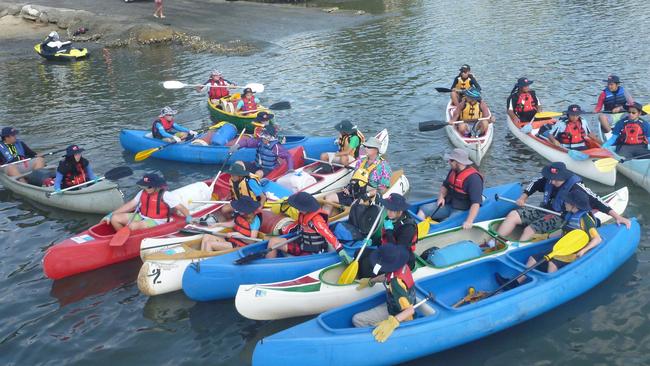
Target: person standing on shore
(158, 10)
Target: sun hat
(459, 155)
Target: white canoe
(318, 291)
(638, 170)
(585, 168)
(476, 147)
(165, 258)
(99, 198)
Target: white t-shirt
(170, 198)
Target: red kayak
(89, 250)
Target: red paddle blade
(120, 237)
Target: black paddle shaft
(263, 253)
(431, 125)
(118, 173)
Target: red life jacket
(249, 104)
(243, 227)
(403, 274)
(218, 93)
(525, 102)
(311, 240)
(460, 198)
(573, 133)
(632, 134)
(153, 206)
(167, 125)
(70, 179)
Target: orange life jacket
(632, 133)
(249, 104)
(573, 134)
(243, 227)
(153, 206)
(525, 102)
(70, 179)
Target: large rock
(29, 12)
(152, 33)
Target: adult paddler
(522, 104)
(216, 86)
(390, 266)
(612, 100)
(555, 181)
(463, 81)
(349, 143)
(372, 168)
(12, 150)
(73, 170)
(166, 129)
(472, 108)
(630, 134)
(155, 205)
(246, 222)
(311, 226)
(461, 191)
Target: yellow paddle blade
(569, 243)
(217, 125)
(606, 165)
(145, 154)
(350, 273)
(542, 115)
(646, 108)
(424, 226)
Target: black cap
(245, 205)
(574, 109)
(263, 116)
(237, 169)
(465, 67)
(637, 106)
(556, 171)
(613, 79)
(577, 198)
(9, 131)
(523, 82)
(395, 202)
(345, 126)
(247, 90)
(304, 202)
(152, 180)
(73, 149)
(390, 257)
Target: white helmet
(54, 35)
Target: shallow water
(380, 75)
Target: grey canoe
(99, 198)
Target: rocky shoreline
(31, 21)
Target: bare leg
(463, 129)
(38, 163)
(119, 220)
(454, 98)
(332, 197)
(259, 173)
(509, 224)
(12, 170)
(211, 243)
(138, 225)
(531, 262)
(527, 234)
(604, 122)
(274, 253)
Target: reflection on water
(379, 75)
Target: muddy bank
(205, 26)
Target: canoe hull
(477, 147)
(240, 121)
(330, 339)
(585, 168)
(136, 140)
(99, 198)
(638, 171)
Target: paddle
(324, 162)
(230, 152)
(350, 273)
(262, 254)
(145, 154)
(577, 155)
(384, 329)
(195, 230)
(497, 198)
(439, 124)
(121, 236)
(425, 225)
(113, 174)
(279, 106)
(567, 245)
(212, 202)
(443, 90)
(175, 84)
(607, 164)
(25, 160)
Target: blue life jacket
(8, 156)
(558, 203)
(267, 155)
(614, 100)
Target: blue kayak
(218, 278)
(137, 140)
(331, 339)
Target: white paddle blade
(256, 87)
(173, 84)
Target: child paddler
(349, 142)
(246, 223)
(269, 152)
(390, 265)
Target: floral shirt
(380, 176)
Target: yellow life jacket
(471, 111)
(362, 174)
(463, 84)
(242, 188)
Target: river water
(380, 75)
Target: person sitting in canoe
(216, 86)
(611, 100)
(556, 179)
(461, 191)
(311, 226)
(263, 119)
(630, 134)
(399, 227)
(463, 81)
(349, 142)
(248, 102)
(242, 184)
(246, 223)
(522, 104)
(372, 168)
(578, 217)
(390, 266)
(571, 131)
(13, 150)
(152, 206)
(269, 152)
(73, 170)
(166, 129)
(472, 109)
(52, 44)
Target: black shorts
(544, 267)
(252, 167)
(344, 198)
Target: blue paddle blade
(527, 128)
(578, 155)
